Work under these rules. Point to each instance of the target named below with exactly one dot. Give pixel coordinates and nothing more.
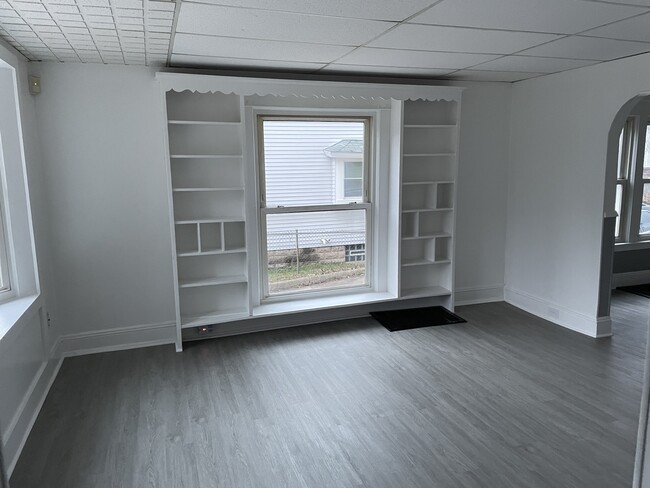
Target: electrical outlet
(204, 329)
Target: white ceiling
(490, 40)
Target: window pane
(300, 158)
(315, 250)
(353, 169)
(646, 158)
(620, 155)
(644, 227)
(353, 187)
(617, 206)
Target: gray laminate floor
(506, 400)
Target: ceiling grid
(499, 40)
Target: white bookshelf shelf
(216, 220)
(421, 155)
(205, 156)
(201, 122)
(427, 236)
(430, 126)
(432, 182)
(425, 291)
(211, 253)
(223, 280)
(417, 210)
(226, 315)
(208, 189)
(423, 262)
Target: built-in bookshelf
(429, 144)
(206, 153)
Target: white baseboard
(18, 431)
(478, 294)
(116, 339)
(631, 279)
(558, 314)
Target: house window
(5, 283)
(633, 182)
(355, 252)
(352, 179)
(625, 151)
(314, 205)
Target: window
(352, 179)
(625, 146)
(5, 283)
(633, 182)
(314, 203)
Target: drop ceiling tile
(634, 29)
(578, 47)
(161, 22)
(163, 6)
(130, 20)
(128, 3)
(533, 64)
(64, 9)
(67, 17)
(378, 10)
(552, 16)
(232, 63)
(279, 26)
(36, 15)
(129, 12)
(452, 39)
(255, 49)
(505, 76)
(94, 3)
(29, 7)
(384, 70)
(99, 19)
(71, 23)
(159, 14)
(93, 10)
(418, 59)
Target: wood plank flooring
(506, 400)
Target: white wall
(101, 130)
(560, 125)
(482, 192)
(26, 366)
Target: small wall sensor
(34, 85)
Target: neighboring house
(330, 159)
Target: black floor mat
(413, 318)
(643, 290)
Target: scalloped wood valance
(304, 88)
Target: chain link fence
(306, 259)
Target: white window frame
(366, 204)
(339, 170)
(7, 291)
(632, 181)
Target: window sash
(367, 144)
(266, 296)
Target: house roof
(346, 146)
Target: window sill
(320, 303)
(13, 310)
(631, 246)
